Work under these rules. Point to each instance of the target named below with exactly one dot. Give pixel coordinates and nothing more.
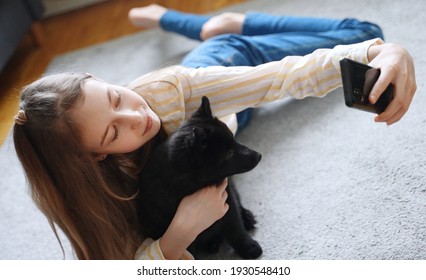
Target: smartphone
(358, 80)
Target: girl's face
(113, 119)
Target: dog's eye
(229, 155)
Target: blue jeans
(265, 38)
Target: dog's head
(207, 146)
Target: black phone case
(358, 80)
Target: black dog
(201, 152)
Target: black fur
(201, 152)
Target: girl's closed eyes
(117, 105)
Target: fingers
(220, 192)
(225, 208)
(395, 111)
(379, 87)
(404, 90)
(221, 189)
(223, 185)
(392, 113)
(224, 194)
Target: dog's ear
(204, 111)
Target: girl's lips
(148, 125)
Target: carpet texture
(332, 184)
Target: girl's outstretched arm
(232, 89)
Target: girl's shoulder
(167, 75)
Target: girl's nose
(132, 118)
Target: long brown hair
(92, 202)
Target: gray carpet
(332, 184)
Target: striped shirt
(150, 250)
(175, 93)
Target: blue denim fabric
(266, 38)
(282, 36)
(185, 24)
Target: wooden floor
(73, 30)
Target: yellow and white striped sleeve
(150, 250)
(232, 89)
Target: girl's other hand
(397, 67)
(201, 209)
(195, 213)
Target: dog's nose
(258, 157)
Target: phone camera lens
(357, 93)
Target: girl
(83, 141)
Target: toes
(148, 16)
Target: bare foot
(222, 24)
(148, 16)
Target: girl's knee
(371, 28)
(225, 50)
(377, 31)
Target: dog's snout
(255, 158)
(258, 157)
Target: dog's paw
(248, 219)
(249, 249)
(213, 246)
